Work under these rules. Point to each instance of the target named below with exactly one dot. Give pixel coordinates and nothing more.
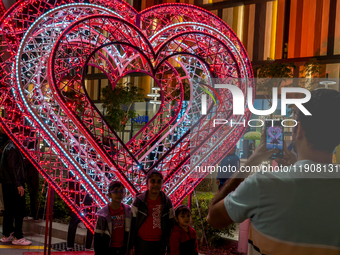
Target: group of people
(149, 227)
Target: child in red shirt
(113, 226)
(183, 239)
(152, 218)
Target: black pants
(117, 251)
(143, 247)
(72, 228)
(14, 210)
(33, 190)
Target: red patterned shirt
(151, 227)
(118, 220)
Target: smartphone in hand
(274, 137)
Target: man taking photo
(297, 211)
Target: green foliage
(273, 70)
(204, 200)
(252, 136)
(312, 68)
(60, 209)
(186, 90)
(114, 99)
(276, 70)
(73, 100)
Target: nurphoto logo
(238, 100)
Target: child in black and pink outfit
(152, 218)
(183, 239)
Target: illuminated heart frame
(2, 9)
(47, 47)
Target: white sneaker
(22, 241)
(8, 239)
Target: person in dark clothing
(3, 140)
(183, 239)
(71, 234)
(232, 162)
(12, 176)
(112, 232)
(152, 218)
(72, 227)
(74, 221)
(32, 174)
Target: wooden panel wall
(314, 26)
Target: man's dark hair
(150, 173)
(115, 184)
(323, 126)
(180, 209)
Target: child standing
(153, 217)
(112, 231)
(183, 239)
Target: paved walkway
(35, 233)
(38, 238)
(36, 246)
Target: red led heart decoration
(181, 46)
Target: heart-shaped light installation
(274, 133)
(47, 48)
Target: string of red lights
(47, 48)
